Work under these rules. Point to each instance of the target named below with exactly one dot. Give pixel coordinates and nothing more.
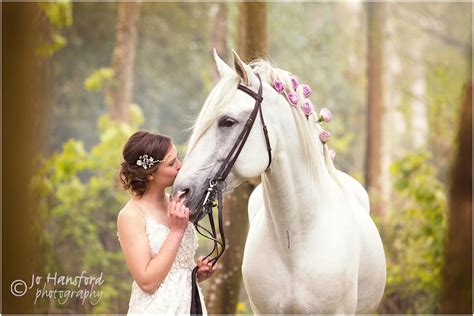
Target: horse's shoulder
(255, 202)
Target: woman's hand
(205, 269)
(178, 215)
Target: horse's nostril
(182, 194)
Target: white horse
(312, 246)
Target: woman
(157, 239)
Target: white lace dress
(174, 294)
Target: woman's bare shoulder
(129, 214)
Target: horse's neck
(293, 205)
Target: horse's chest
(286, 274)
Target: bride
(157, 239)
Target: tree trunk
(25, 93)
(225, 286)
(226, 283)
(219, 32)
(252, 35)
(120, 94)
(456, 293)
(375, 169)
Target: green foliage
(444, 96)
(59, 14)
(79, 198)
(414, 236)
(99, 79)
(48, 49)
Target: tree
(252, 30)
(25, 93)
(456, 294)
(219, 32)
(375, 165)
(120, 93)
(225, 286)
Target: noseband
(217, 186)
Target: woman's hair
(134, 176)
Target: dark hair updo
(133, 176)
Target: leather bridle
(217, 186)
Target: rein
(217, 185)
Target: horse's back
(356, 189)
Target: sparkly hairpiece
(146, 161)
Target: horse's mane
(213, 107)
(316, 153)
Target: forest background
(80, 77)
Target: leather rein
(217, 186)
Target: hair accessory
(324, 136)
(307, 107)
(325, 115)
(294, 82)
(293, 98)
(278, 85)
(306, 90)
(146, 161)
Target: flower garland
(306, 105)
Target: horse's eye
(226, 122)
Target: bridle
(217, 186)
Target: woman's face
(168, 168)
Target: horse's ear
(244, 71)
(222, 67)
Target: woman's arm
(149, 272)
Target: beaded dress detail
(174, 294)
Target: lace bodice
(174, 294)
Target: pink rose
(325, 115)
(307, 107)
(292, 97)
(324, 136)
(278, 85)
(294, 83)
(306, 90)
(332, 153)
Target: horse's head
(217, 129)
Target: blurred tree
(431, 74)
(324, 45)
(224, 290)
(375, 174)
(59, 15)
(79, 233)
(120, 93)
(219, 33)
(170, 95)
(25, 94)
(252, 30)
(456, 296)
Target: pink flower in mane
(324, 136)
(325, 115)
(307, 107)
(294, 83)
(278, 85)
(306, 90)
(292, 98)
